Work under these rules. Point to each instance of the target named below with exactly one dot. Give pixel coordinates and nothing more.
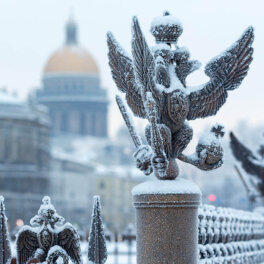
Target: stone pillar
(167, 221)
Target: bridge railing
(173, 227)
(227, 235)
(223, 235)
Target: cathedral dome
(71, 58)
(72, 90)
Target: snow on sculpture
(154, 82)
(228, 235)
(5, 249)
(251, 163)
(97, 252)
(48, 238)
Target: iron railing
(230, 236)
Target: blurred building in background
(72, 189)
(114, 185)
(87, 166)
(24, 156)
(79, 144)
(72, 91)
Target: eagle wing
(143, 63)
(226, 73)
(123, 75)
(249, 161)
(27, 244)
(68, 239)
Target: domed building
(72, 91)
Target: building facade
(72, 190)
(24, 156)
(114, 185)
(72, 92)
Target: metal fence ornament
(251, 163)
(48, 238)
(154, 82)
(97, 251)
(228, 235)
(5, 245)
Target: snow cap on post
(97, 252)
(5, 249)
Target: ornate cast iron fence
(48, 240)
(230, 236)
(225, 236)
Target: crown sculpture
(154, 82)
(251, 163)
(48, 239)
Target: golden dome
(71, 59)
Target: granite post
(166, 220)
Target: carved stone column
(166, 219)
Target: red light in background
(19, 222)
(211, 197)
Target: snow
(174, 85)
(177, 186)
(57, 248)
(74, 148)
(259, 210)
(229, 234)
(118, 253)
(46, 205)
(118, 171)
(143, 153)
(7, 98)
(196, 88)
(257, 162)
(11, 107)
(209, 138)
(164, 21)
(160, 46)
(129, 121)
(45, 210)
(119, 49)
(57, 251)
(183, 49)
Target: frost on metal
(155, 87)
(97, 252)
(48, 239)
(5, 249)
(230, 236)
(253, 164)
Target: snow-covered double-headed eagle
(48, 239)
(162, 71)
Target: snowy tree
(5, 250)
(97, 252)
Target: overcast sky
(30, 30)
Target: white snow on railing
(230, 236)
